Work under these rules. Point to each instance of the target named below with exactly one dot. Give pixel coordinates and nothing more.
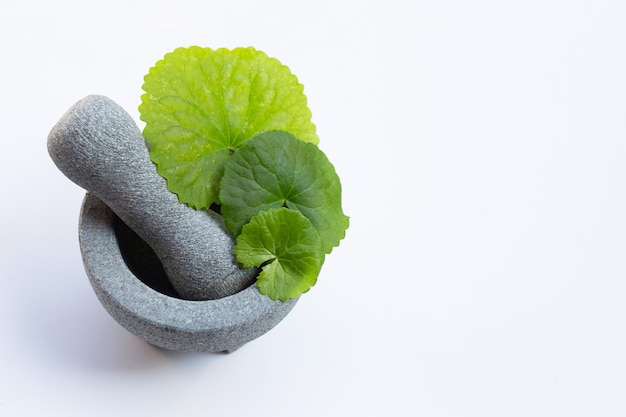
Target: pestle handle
(97, 145)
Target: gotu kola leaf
(276, 170)
(202, 104)
(287, 247)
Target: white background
(481, 147)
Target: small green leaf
(201, 104)
(287, 247)
(276, 170)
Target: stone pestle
(97, 145)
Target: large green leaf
(276, 170)
(202, 104)
(287, 247)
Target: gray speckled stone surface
(98, 146)
(194, 326)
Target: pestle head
(97, 145)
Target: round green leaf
(276, 170)
(202, 104)
(287, 247)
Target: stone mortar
(169, 322)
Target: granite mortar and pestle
(216, 306)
